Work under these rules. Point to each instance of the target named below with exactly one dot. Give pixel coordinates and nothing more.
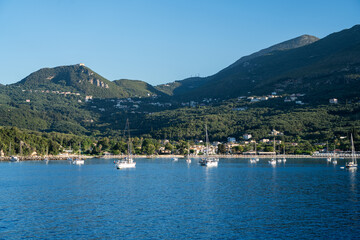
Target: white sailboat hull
(78, 162)
(272, 162)
(209, 163)
(121, 165)
(351, 165)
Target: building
(247, 136)
(88, 98)
(275, 133)
(333, 101)
(231, 139)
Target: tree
(222, 148)
(169, 147)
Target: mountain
(188, 84)
(137, 87)
(329, 67)
(81, 79)
(290, 44)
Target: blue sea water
(161, 199)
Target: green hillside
(190, 84)
(53, 99)
(136, 88)
(325, 68)
(83, 80)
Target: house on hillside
(333, 101)
(247, 136)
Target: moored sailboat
(208, 161)
(188, 159)
(128, 161)
(334, 161)
(255, 159)
(273, 159)
(78, 160)
(353, 162)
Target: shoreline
(65, 157)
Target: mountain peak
(297, 42)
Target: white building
(333, 101)
(247, 136)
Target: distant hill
(329, 67)
(188, 84)
(137, 88)
(290, 44)
(81, 79)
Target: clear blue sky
(156, 41)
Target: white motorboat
(14, 159)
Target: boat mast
(188, 154)
(274, 148)
(255, 149)
(128, 129)
(353, 158)
(207, 142)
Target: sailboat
(334, 161)
(188, 159)
(13, 158)
(208, 161)
(273, 160)
(46, 159)
(128, 161)
(353, 163)
(284, 159)
(255, 158)
(78, 160)
(327, 150)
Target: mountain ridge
(298, 69)
(182, 86)
(81, 79)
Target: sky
(156, 41)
